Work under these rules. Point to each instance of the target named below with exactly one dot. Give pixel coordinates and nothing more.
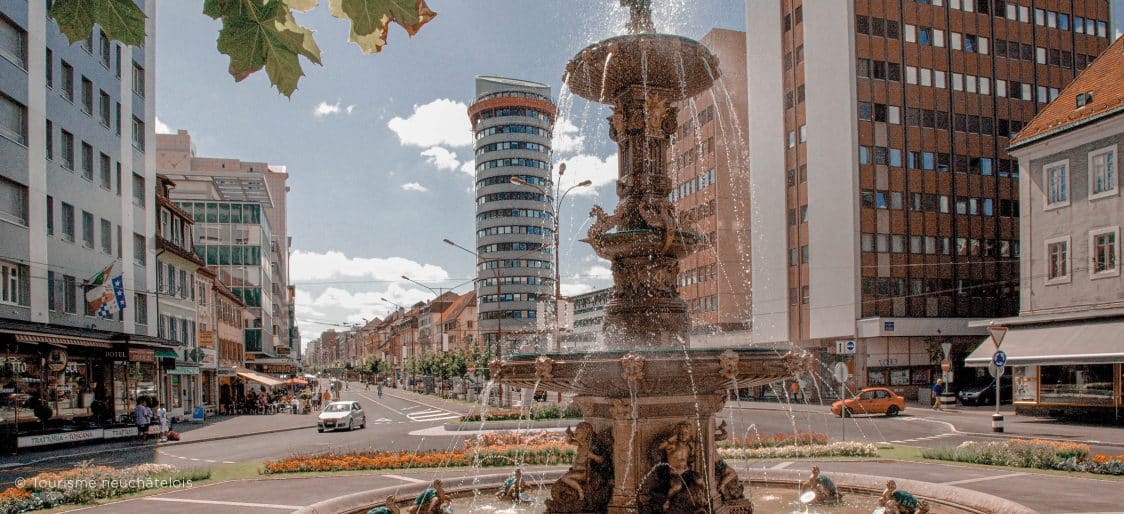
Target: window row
(695, 153)
(704, 304)
(512, 195)
(513, 129)
(516, 161)
(1103, 178)
(176, 230)
(1104, 252)
(513, 247)
(880, 112)
(934, 245)
(878, 70)
(513, 145)
(514, 229)
(177, 329)
(168, 284)
(702, 211)
(698, 275)
(506, 179)
(513, 213)
(928, 202)
(230, 255)
(15, 283)
(513, 263)
(509, 297)
(500, 112)
(217, 212)
(689, 187)
(509, 315)
(687, 129)
(510, 281)
(876, 27)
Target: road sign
(841, 372)
(946, 365)
(999, 359)
(845, 346)
(997, 332)
(995, 371)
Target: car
(872, 400)
(340, 415)
(984, 394)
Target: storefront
(1064, 369)
(904, 364)
(65, 374)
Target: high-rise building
(710, 178)
(239, 213)
(512, 121)
(885, 206)
(77, 184)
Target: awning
(164, 353)
(260, 378)
(188, 370)
(1086, 342)
(62, 340)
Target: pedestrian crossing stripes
(431, 415)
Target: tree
(255, 34)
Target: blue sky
(375, 144)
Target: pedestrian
(141, 418)
(367, 385)
(938, 387)
(296, 403)
(794, 389)
(378, 389)
(325, 399)
(162, 419)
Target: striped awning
(61, 340)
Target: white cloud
(440, 122)
(589, 167)
(441, 158)
(324, 108)
(350, 108)
(575, 288)
(310, 266)
(566, 138)
(414, 186)
(161, 128)
(469, 167)
(599, 272)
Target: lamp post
(557, 270)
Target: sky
(378, 147)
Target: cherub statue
(602, 222)
(899, 502)
(388, 508)
(821, 485)
(578, 474)
(729, 486)
(512, 488)
(720, 432)
(679, 453)
(431, 501)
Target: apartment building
(889, 211)
(708, 167)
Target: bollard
(996, 422)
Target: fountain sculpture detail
(647, 442)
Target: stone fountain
(647, 442)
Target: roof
(1104, 78)
(458, 306)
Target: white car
(340, 415)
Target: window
(1057, 263)
(1057, 184)
(50, 143)
(138, 80)
(106, 236)
(138, 190)
(13, 43)
(105, 50)
(13, 120)
(67, 81)
(105, 175)
(1102, 173)
(87, 161)
(1104, 247)
(70, 294)
(805, 295)
(104, 109)
(50, 216)
(87, 229)
(67, 222)
(13, 290)
(138, 133)
(87, 96)
(140, 253)
(140, 309)
(13, 202)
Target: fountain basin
(681, 66)
(644, 373)
(759, 482)
(677, 243)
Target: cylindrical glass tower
(512, 122)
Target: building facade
(77, 214)
(588, 316)
(239, 211)
(1064, 346)
(708, 167)
(512, 122)
(889, 214)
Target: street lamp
(557, 269)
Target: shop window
(1089, 385)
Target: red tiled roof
(1104, 78)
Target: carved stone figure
(729, 363)
(512, 488)
(821, 485)
(729, 486)
(632, 368)
(431, 501)
(720, 432)
(679, 453)
(389, 508)
(899, 502)
(639, 16)
(578, 474)
(602, 222)
(544, 368)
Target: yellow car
(872, 400)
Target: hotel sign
(142, 355)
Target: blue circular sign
(999, 359)
(850, 346)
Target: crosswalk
(428, 414)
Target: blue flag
(119, 291)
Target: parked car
(872, 400)
(339, 415)
(984, 394)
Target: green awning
(184, 371)
(164, 353)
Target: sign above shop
(56, 360)
(142, 355)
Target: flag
(100, 300)
(119, 291)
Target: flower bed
(836, 449)
(528, 454)
(535, 413)
(85, 484)
(775, 440)
(1030, 453)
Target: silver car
(340, 415)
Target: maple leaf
(370, 19)
(120, 20)
(257, 33)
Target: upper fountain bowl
(679, 66)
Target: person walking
(938, 388)
(325, 399)
(141, 417)
(378, 389)
(162, 418)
